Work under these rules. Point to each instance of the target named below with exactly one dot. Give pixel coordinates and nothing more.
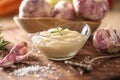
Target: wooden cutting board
(57, 70)
(102, 69)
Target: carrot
(9, 6)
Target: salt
(68, 71)
(1, 68)
(38, 71)
(36, 75)
(107, 63)
(51, 72)
(117, 65)
(116, 61)
(49, 65)
(104, 66)
(26, 70)
(99, 62)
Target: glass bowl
(61, 44)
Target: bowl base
(60, 58)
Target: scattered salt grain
(93, 63)
(86, 59)
(8, 77)
(107, 63)
(37, 75)
(104, 66)
(49, 65)
(68, 71)
(117, 65)
(58, 66)
(99, 62)
(56, 78)
(26, 70)
(1, 68)
(116, 61)
(38, 71)
(51, 72)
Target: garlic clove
(91, 9)
(16, 54)
(113, 35)
(100, 39)
(35, 8)
(107, 40)
(64, 10)
(114, 48)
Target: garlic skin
(35, 8)
(91, 9)
(64, 10)
(107, 40)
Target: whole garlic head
(64, 10)
(35, 8)
(107, 40)
(91, 9)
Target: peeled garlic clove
(107, 40)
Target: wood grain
(103, 69)
(32, 25)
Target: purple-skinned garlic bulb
(64, 10)
(107, 40)
(91, 9)
(35, 8)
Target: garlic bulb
(35, 8)
(91, 9)
(107, 40)
(64, 10)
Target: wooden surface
(32, 25)
(103, 71)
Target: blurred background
(10, 8)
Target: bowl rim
(58, 39)
(42, 18)
(84, 37)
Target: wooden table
(103, 71)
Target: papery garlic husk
(64, 10)
(16, 54)
(107, 40)
(35, 8)
(91, 9)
